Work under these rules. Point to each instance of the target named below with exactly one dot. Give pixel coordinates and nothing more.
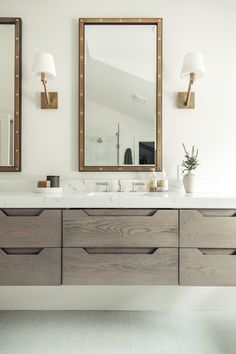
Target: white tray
(49, 191)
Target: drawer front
(30, 228)
(120, 228)
(30, 266)
(208, 267)
(129, 267)
(208, 228)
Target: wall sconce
(193, 68)
(44, 67)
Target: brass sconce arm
(187, 99)
(48, 99)
(44, 82)
(191, 81)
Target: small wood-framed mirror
(10, 94)
(120, 103)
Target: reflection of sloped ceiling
(120, 65)
(130, 48)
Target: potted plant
(189, 164)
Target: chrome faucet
(104, 184)
(134, 184)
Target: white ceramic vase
(189, 182)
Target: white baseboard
(117, 298)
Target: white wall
(50, 141)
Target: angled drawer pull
(218, 251)
(22, 251)
(22, 212)
(120, 250)
(120, 212)
(217, 213)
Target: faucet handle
(137, 184)
(107, 184)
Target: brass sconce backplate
(182, 97)
(53, 100)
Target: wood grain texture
(80, 268)
(158, 230)
(42, 230)
(39, 269)
(197, 268)
(209, 229)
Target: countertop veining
(172, 199)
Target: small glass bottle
(152, 185)
(162, 185)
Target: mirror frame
(16, 167)
(97, 21)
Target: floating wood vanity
(117, 246)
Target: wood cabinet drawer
(129, 267)
(120, 228)
(30, 266)
(208, 228)
(30, 228)
(207, 266)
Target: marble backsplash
(28, 184)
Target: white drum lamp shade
(44, 63)
(193, 63)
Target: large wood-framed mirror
(120, 103)
(10, 94)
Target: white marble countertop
(172, 199)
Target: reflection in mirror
(120, 90)
(9, 94)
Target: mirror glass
(7, 60)
(10, 93)
(120, 90)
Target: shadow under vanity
(117, 247)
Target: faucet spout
(119, 186)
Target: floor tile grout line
(86, 319)
(173, 333)
(227, 347)
(218, 333)
(39, 336)
(5, 320)
(129, 328)
(209, 320)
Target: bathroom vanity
(117, 239)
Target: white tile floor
(117, 332)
